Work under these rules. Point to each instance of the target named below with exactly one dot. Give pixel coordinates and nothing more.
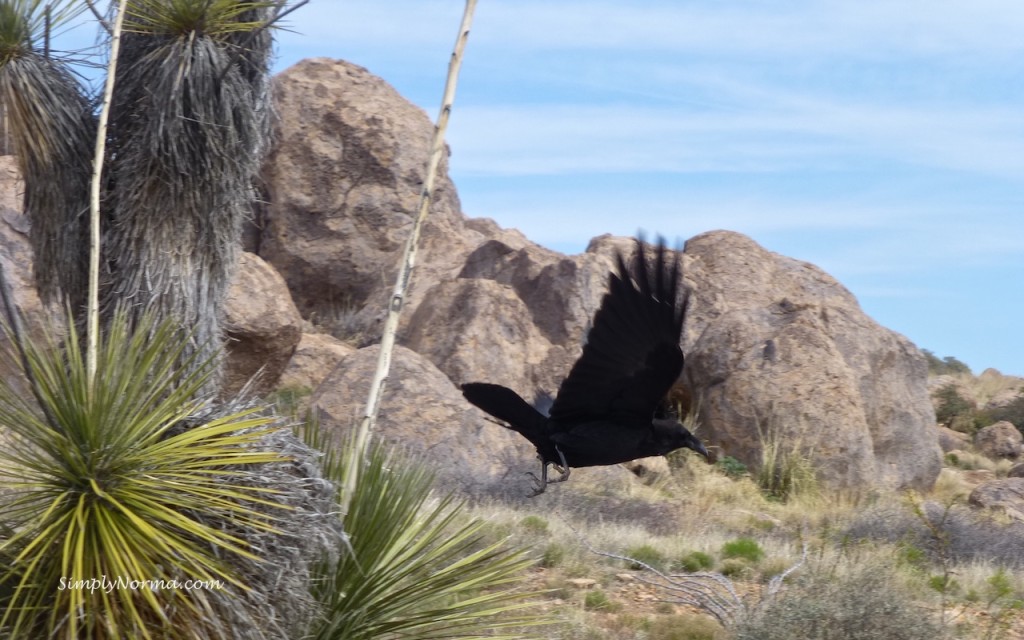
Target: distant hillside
(968, 402)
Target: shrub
(686, 626)
(731, 467)
(944, 366)
(646, 554)
(863, 603)
(967, 536)
(553, 556)
(597, 600)
(953, 410)
(534, 524)
(744, 548)
(696, 561)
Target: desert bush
(685, 627)
(553, 556)
(597, 600)
(534, 524)
(743, 548)
(861, 602)
(696, 561)
(955, 411)
(944, 366)
(646, 554)
(731, 467)
(968, 536)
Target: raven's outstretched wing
(632, 356)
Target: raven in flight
(607, 409)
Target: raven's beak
(699, 447)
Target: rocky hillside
(777, 350)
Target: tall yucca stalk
(52, 129)
(101, 482)
(189, 124)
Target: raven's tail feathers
(505, 404)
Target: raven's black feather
(604, 412)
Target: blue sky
(881, 140)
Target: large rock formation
(343, 184)
(778, 350)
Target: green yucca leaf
(200, 17)
(415, 569)
(99, 487)
(23, 22)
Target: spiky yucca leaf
(96, 487)
(213, 18)
(23, 23)
(415, 568)
(52, 130)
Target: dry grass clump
(851, 600)
(953, 534)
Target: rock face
(424, 413)
(1006, 495)
(343, 184)
(262, 325)
(778, 347)
(950, 440)
(999, 440)
(315, 357)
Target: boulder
(315, 357)
(262, 326)
(481, 331)
(1005, 495)
(779, 351)
(950, 440)
(1003, 398)
(1016, 471)
(343, 182)
(424, 413)
(999, 440)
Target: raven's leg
(542, 481)
(564, 468)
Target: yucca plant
(189, 125)
(52, 129)
(105, 482)
(415, 567)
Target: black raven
(606, 409)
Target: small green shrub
(553, 556)
(731, 467)
(745, 548)
(646, 554)
(696, 561)
(736, 568)
(534, 524)
(953, 410)
(597, 600)
(687, 626)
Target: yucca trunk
(189, 123)
(52, 131)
